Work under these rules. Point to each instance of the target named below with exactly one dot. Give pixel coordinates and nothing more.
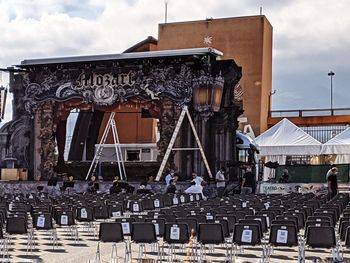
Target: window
(132, 155)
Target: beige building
(247, 40)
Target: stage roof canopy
(123, 56)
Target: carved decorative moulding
(155, 82)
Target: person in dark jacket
(332, 181)
(115, 188)
(285, 177)
(171, 189)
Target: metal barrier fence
(312, 173)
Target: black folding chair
(284, 236)
(210, 234)
(247, 235)
(144, 233)
(322, 237)
(112, 233)
(43, 221)
(177, 234)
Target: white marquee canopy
(339, 144)
(285, 138)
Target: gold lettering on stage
(98, 80)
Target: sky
(310, 37)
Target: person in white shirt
(169, 177)
(198, 180)
(220, 181)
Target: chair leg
(126, 258)
(114, 248)
(98, 255)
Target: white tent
(285, 138)
(339, 145)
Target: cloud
(310, 37)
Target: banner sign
(276, 188)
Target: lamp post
(331, 74)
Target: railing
(309, 113)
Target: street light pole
(331, 74)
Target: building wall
(247, 40)
(131, 127)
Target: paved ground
(69, 251)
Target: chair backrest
(210, 233)
(320, 237)
(85, 214)
(289, 218)
(169, 218)
(230, 218)
(342, 229)
(135, 207)
(299, 215)
(224, 224)
(176, 233)
(347, 238)
(101, 212)
(139, 218)
(246, 234)
(344, 219)
(283, 235)
(159, 224)
(42, 221)
(270, 215)
(199, 218)
(331, 211)
(316, 223)
(158, 202)
(252, 222)
(115, 210)
(65, 218)
(191, 223)
(147, 204)
(337, 208)
(260, 218)
(126, 224)
(16, 225)
(284, 222)
(111, 232)
(329, 215)
(144, 232)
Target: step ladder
(170, 148)
(110, 125)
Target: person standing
(171, 189)
(198, 180)
(332, 182)
(169, 176)
(285, 177)
(248, 182)
(330, 171)
(195, 189)
(220, 181)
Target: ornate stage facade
(45, 91)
